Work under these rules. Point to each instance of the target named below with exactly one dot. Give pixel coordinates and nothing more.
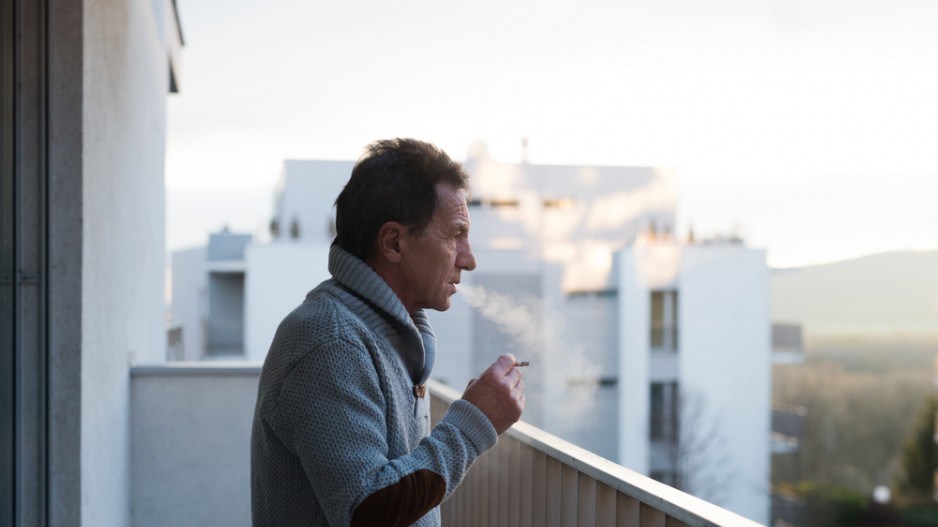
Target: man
(341, 430)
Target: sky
(808, 127)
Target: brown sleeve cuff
(402, 503)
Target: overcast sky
(810, 127)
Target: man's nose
(466, 260)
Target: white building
(645, 350)
(229, 297)
(695, 370)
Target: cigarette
(522, 363)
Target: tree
(920, 454)
(704, 467)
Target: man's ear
(389, 241)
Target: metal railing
(532, 478)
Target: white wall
(306, 192)
(191, 444)
(278, 276)
(190, 287)
(722, 365)
(582, 353)
(125, 84)
(725, 361)
(633, 362)
(608, 203)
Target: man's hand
(498, 392)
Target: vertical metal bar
(553, 493)
(568, 504)
(514, 481)
(501, 482)
(489, 498)
(526, 499)
(26, 168)
(539, 498)
(628, 510)
(605, 505)
(586, 501)
(7, 270)
(674, 522)
(652, 517)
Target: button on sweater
(339, 435)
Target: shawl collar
(358, 277)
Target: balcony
(190, 452)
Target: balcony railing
(190, 449)
(532, 478)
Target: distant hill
(893, 293)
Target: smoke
(518, 317)
(562, 380)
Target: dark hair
(394, 180)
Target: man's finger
(518, 388)
(516, 380)
(505, 363)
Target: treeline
(862, 398)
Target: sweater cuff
(472, 423)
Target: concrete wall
(190, 299)
(633, 351)
(305, 195)
(190, 447)
(586, 358)
(722, 367)
(126, 80)
(66, 58)
(725, 372)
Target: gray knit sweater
(339, 435)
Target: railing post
(586, 500)
(605, 505)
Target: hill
(888, 294)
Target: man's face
(432, 262)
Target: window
(663, 417)
(664, 321)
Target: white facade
(258, 282)
(719, 365)
(277, 279)
(189, 288)
(126, 78)
(304, 199)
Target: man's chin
(442, 305)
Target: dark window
(664, 321)
(663, 417)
